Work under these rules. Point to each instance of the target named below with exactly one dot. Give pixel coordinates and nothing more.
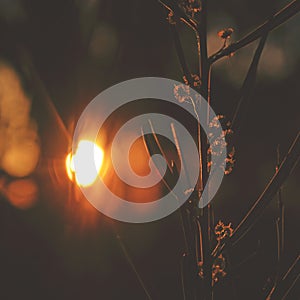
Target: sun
(81, 167)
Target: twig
(204, 70)
(173, 7)
(278, 19)
(279, 224)
(202, 51)
(287, 282)
(247, 259)
(254, 214)
(249, 82)
(279, 231)
(180, 54)
(38, 84)
(270, 191)
(182, 279)
(129, 260)
(182, 159)
(153, 146)
(183, 218)
(280, 207)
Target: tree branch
(173, 7)
(286, 167)
(270, 191)
(180, 54)
(248, 84)
(278, 19)
(287, 282)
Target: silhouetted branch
(287, 282)
(198, 241)
(41, 90)
(286, 167)
(278, 19)
(204, 218)
(249, 82)
(173, 7)
(180, 54)
(130, 262)
(270, 191)
(202, 42)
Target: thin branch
(270, 191)
(290, 287)
(279, 226)
(249, 82)
(247, 259)
(254, 214)
(201, 236)
(173, 7)
(287, 282)
(182, 279)
(183, 218)
(41, 90)
(281, 208)
(153, 146)
(130, 262)
(182, 159)
(204, 73)
(203, 59)
(278, 19)
(180, 53)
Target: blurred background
(55, 57)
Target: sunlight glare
(87, 168)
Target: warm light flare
(83, 168)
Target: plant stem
(278, 19)
(254, 214)
(131, 264)
(270, 191)
(180, 54)
(204, 72)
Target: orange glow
(70, 166)
(22, 193)
(81, 170)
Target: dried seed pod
(217, 143)
(191, 7)
(182, 93)
(225, 33)
(223, 231)
(196, 80)
(218, 269)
